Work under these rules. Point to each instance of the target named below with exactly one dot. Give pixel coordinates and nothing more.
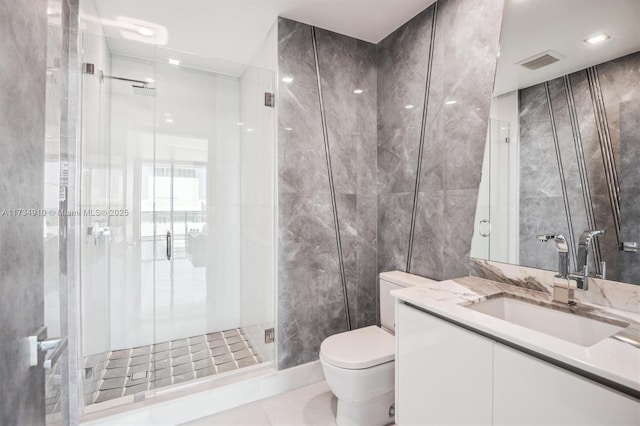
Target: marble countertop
(616, 359)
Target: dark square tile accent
(142, 359)
(181, 369)
(179, 351)
(160, 347)
(217, 343)
(183, 377)
(184, 359)
(115, 373)
(179, 343)
(226, 367)
(237, 347)
(245, 362)
(199, 347)
(203, 363)
(197, 339)
(214, 336)
(117, 363)
(229, 333)
(209, 371)
(142, 350)
(234, 339)
(135, 389)
(242, 354)
(222, 359)
(200, 355)
(124, 353)
(220, 351)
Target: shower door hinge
(269, 99)
(269, 335)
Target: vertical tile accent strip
(334, 206)
(610, 170)
(565, 196)
(423, 131)
(582, 168)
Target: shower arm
(145, 84)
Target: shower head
(144, 90)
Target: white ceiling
(531, 27)
(233, 30)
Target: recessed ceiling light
(450, 102)
(169, 120)
(240, 123)
(358, 91)
(409, 106)
(166, 114)
(287, 79)
(145, 31)
(174, 61)
(249, 130)
(597, 38)
(288, 129)
(49, 11)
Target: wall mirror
(563, 142)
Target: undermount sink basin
(563, 325)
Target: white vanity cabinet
(443, 372)
(448, 375)
(528, 391)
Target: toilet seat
(359, 349)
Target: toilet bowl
(359, 365)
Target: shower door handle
(169, 244)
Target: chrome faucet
(563, 252)
(582, 274)
(562, 290)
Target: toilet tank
(392, 281)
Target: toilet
(359, 365)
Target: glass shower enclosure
(177, 219)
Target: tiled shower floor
(130, 371)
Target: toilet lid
(358, 349)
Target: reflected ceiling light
(240, 123)
(358, 91)
(149, 80)
(409, 106)
(174, 61)
(450, 102)
(169, 120)
(249, 130)
(288, 129)
(287, 79)
(145, 31)
(49, 11)
(166, 114)
(597, 38)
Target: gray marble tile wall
(588, 194)
(310, 296)
(23, 40)
(458, 101)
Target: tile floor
(129, 371)
(312, 405)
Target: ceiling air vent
(540, 60)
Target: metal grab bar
(169, 244)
